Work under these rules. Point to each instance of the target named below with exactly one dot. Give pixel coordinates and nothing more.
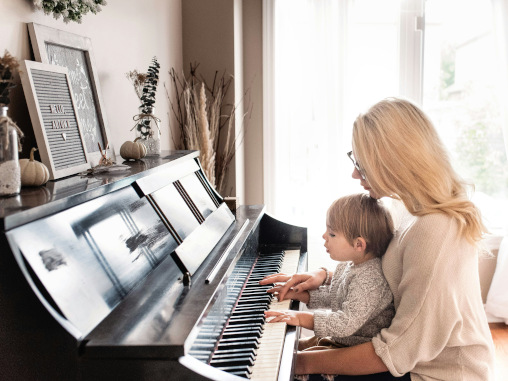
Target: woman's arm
(357, 360)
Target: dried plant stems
(138, 81)
(203, 119)
(205, 141)
(190, 128)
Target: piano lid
(83, 261)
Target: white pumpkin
(33, 172)
(132, 150)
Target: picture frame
(57, 47)
(49, 97)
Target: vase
(148, 131)
(10, 175)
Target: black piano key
(242, 327)
(247, 316)
(253, 292)
(238, 323)
(222, 362)
(267, 298)
(243, 374)
(245, 339)
(263, 305)
(225, 355)
(241, 334)
(248, 330)
(245, 325)
(238, 345)
(238, 368)
(240, 352)
(259, 320)
(252, 306)
(252, 311)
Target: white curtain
(327, 61)
(496, 305)
(330, 60)
(497, 298)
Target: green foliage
(148, 97)
(70, 10)
(480, 146)
(8, 65)
(479, 151)
(447, 67)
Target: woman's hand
(296, 282)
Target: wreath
(70, 10)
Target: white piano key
(266, 366)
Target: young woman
(439, 331)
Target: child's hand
(289, 317)
(297, 318)
(302, 296)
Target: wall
(253, 81)
(227, 35)
(125, 36)
(209, 40)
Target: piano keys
(142, 275)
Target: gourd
(132, 150)
(33, 172)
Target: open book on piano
(142, 275)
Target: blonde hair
(360, 215)
(403, 157)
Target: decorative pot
(148, 131)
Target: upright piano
(142, 274)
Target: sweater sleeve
(367, 295)
(319, 298)
(322, 296)
(434, 276)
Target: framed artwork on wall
(57, 47)
(54, 117)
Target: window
(461, 95)
(333, 59)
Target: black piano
(142, 274)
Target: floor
(500, 335)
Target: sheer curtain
(328, 61)
(497, 298)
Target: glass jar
(148, 131)
(10, 176)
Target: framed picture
(56, 47)
(53, 113)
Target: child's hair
(360, 215)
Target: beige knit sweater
(439, 331)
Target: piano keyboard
(246, 346)
(269, 353)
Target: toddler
(356, 302)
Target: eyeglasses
(357, 166)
